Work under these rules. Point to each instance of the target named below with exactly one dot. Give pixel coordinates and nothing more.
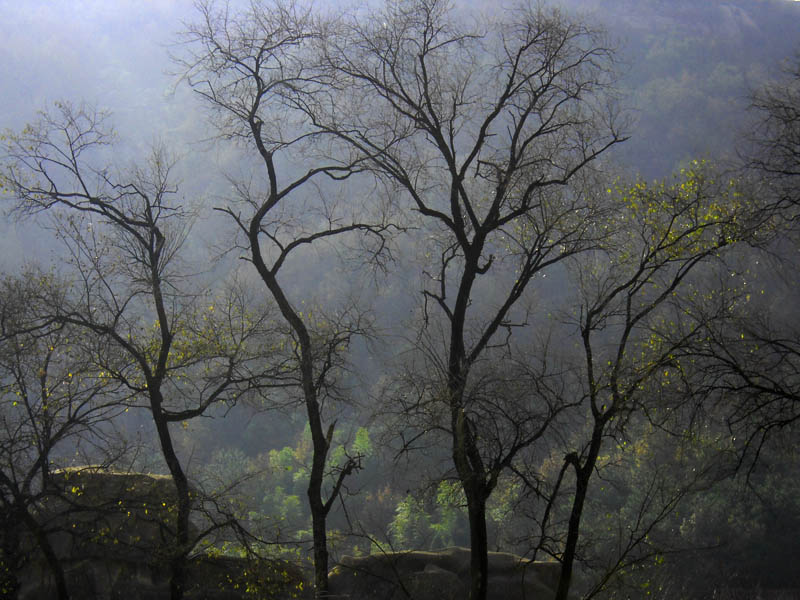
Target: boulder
(440, 575)
(234, 578)
(433, 583)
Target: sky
(98, 51)
(113, 54)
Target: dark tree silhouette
(52, 399)
(161, 337)
(487, 131)
(252, 68)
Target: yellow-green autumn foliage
(658, 257)
(695, 213)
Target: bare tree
(640, 318)
(483, 129)
(253, 68)
(53, 400)
(161, 337)
(751, 361)
(774, 152)
(752, 358)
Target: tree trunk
(319, 508)
(318, 520)
(470, 471)
(53, 562)
(320, 442)
(479, 548)
(583, 474)
(178, 560)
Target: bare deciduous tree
(253, 68)
(160, 336)
(751, 357)
(641, 317)
(775, 140)
(53, 398)
(483, 128)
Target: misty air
(399, 299)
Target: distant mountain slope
(688, 68)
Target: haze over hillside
(359, 281)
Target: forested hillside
(687, 70)
(416, 274)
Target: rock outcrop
(112, 533)
(109, 514)
(440, 575)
